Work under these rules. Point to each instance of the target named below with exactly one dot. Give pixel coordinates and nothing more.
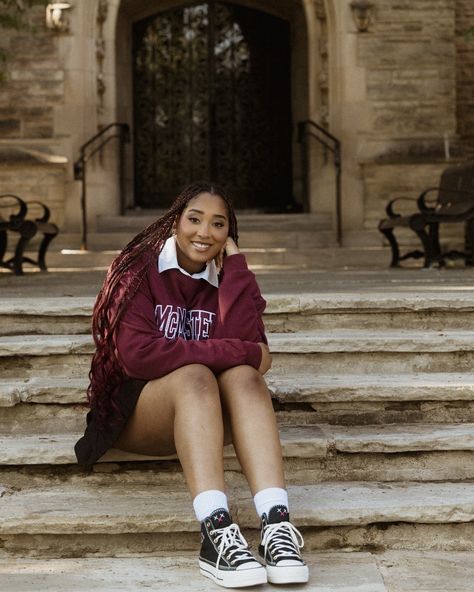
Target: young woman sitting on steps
(179, 365)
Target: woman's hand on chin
(230, 247)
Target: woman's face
(201, 231)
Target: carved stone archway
(309, 59)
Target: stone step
(51, 447)
(304, 387)
(299, 398)
(45, 345)
(316, 388)
(175, 571)
(390, 571)
(60, 315)
(338, 351)
(369, 351)
(258, 258)
(290, 239)
(355, 399)
(137, 221)
(285, 312)
(46, 390)
(373, 310)
(267, 257)
(108, 515)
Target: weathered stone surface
(286, 313)
(364, 503)
(298, 388)
(56, 448)
(30, 345)
(113, 508)
(310, 441)
(43, 390)
(46, 366)
(44, 325)
(53, 305)
(427, 571)
(346, 340)
(375, 361)
(306, 303)
(339, 340)
(312, 387)
(401, 438)
(384, 301)
(391, 571)
(329, 572)
(9, 395)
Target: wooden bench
(451, 202)
(18, 223)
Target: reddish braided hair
(123, 279)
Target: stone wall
(409, 57)
(34, 83)
(31, 165)
(465, 75)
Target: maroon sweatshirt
(175, 320)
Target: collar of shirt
(169, 260)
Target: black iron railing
(330, 143)
(121, 131)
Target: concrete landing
(83, 282)
(394, 571)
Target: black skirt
(95, 442)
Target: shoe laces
(232, 544)
(283, 539)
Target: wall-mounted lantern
(362, 13)
(56, 18)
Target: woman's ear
(175, 225)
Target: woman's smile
(200, 246)
(201, 232)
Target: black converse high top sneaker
(225, 557)
(280, 547)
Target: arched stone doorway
(289, 16)
(212, 100)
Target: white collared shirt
(169, 260)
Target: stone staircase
(269, 241)
(374, 395)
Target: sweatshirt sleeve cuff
(254, 355)
(235, 262)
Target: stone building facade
(397, 95)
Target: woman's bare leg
(181, 413)
(247, 402)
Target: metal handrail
(311, 128)
(86, 152)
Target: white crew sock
(265, 499)
(207, 502)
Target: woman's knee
(196, 381)
(244, 380)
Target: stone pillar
(88, 55)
